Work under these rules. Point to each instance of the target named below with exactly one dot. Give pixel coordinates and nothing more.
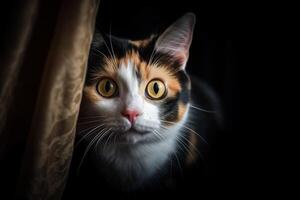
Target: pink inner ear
(176, 40)
(182, 58)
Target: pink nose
(131, 115)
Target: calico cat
(136, 107)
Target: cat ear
(98, 39)
(176, 40)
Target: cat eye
(107, 88)
(156, 90)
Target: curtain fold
(13, 51)
(46, 147)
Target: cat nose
(131, 115)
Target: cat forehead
(133, 62)
(141, 55)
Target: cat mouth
(134, 136)
(136, 131)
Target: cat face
(137, 91)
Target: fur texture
(129, 152)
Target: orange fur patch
(144, 70)
(142, 43)
(181, 110)
(91, 94)
(192, 156)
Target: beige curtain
(42, 76)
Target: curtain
(44, 51)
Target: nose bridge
(130, 95)
(133, 101)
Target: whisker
(87, 122)
(107, 140)
(179, 165)
(92, 116)
(115, 138)
(184, 145)
(88, 148)
(167, 115)
(181, 143)
(202, 109)
(188, 128)
(98, 51)
(153, 53)
(156, 132)
(111, 46)
(87, 134)
(79, 131)
(113, 58)
(103, 136)
(193, 146)
(82, 122)
(156, 60)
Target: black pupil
(108, 86)
(155, 88)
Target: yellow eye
(107, 87)
(156, 89)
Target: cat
(136, 106)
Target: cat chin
(136, 134)
(134, 137)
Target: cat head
(137, 91)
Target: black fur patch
(170, 108)
(184, 82)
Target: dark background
(213, 58)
